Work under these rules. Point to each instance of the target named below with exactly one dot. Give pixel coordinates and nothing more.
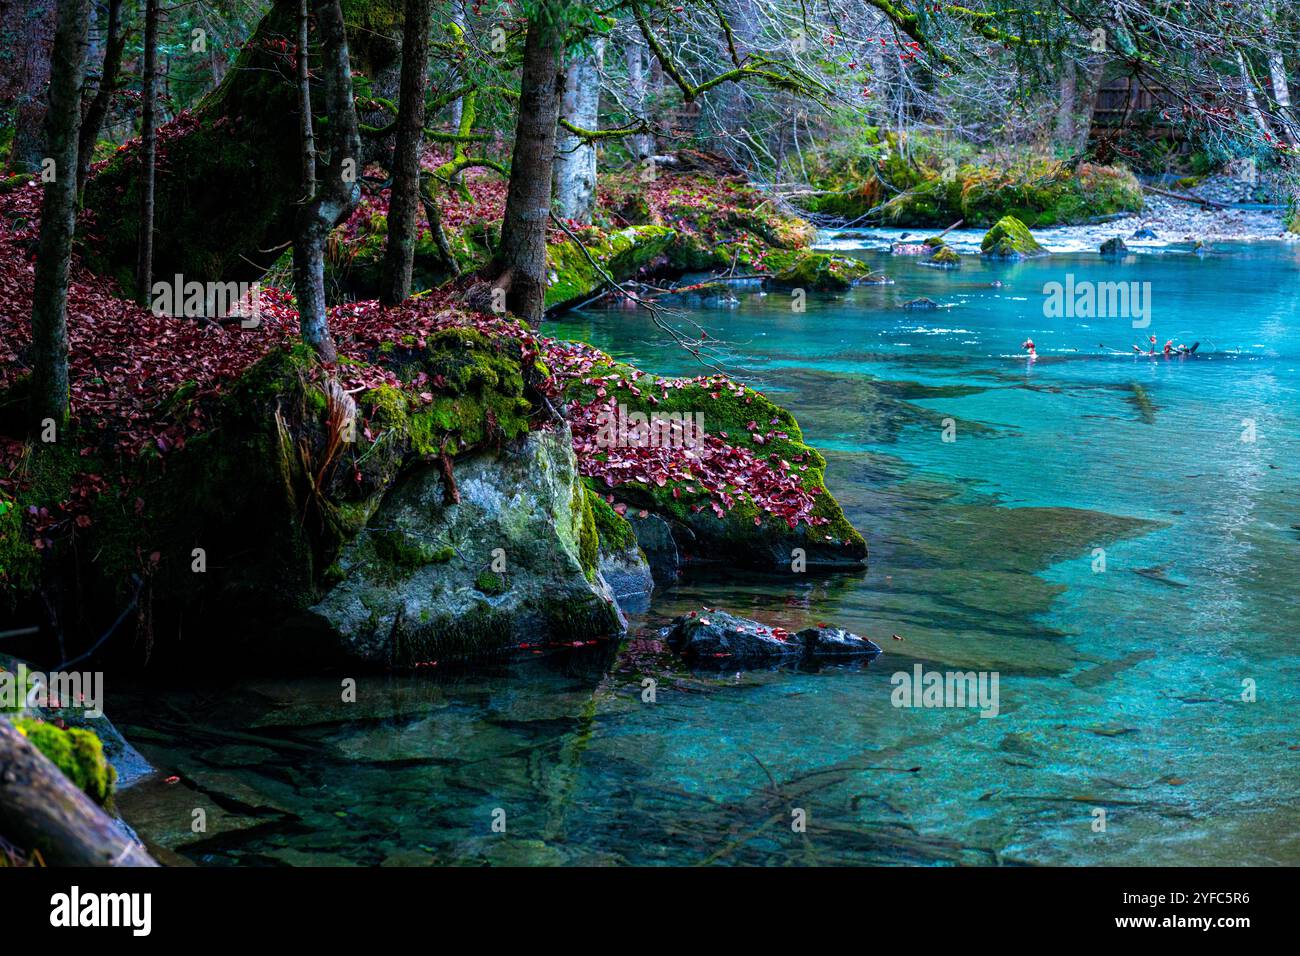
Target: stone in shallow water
(717, 635)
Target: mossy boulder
(742, 535)
(944, 256)
(575, 268)
(1010, 239)
(819, 272)
(524, 543)
(240, 529)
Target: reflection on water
(1121, 689)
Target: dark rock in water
(717, 635)
(1114, 247)
(836, 642)
(921, 303)
(1144, 234)
(723, 637)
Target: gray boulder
(514, 561)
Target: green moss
(490, 583)
(613, 531)
(19, 560)
(76, 752)
(945, 256)
(726, 414)
(620, 254)
(819, 272)
(588, 537)
(403, 551)
(923, 180)
(1010, 239)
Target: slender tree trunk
(520, 261)
(96, 112)
(640, 144)
(36, 39)
(458, 107)
(1252, 103)
(404, 197)
(1068, 105)
(305, 133)
(148, 153)
(1282, 92)
(575, 160)
(339, 190)
(49, 392)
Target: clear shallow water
(1119, 690)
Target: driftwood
(43, 810)
(1185, 198)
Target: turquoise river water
(1117, 537)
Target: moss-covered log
(229, 174)
(43, 810)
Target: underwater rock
(1010, 239)
(514, 560)
(921, 303)
(717, 635)
(1114, 247)
(1144, 234)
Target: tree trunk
(340, 189)
(97, 111)
(148, 153)
(1066, 108)
(575, 160)
(520, 262)
(404, 197)
(1282, 93)
(641, 145)
(305, 132)
(49, 390)
(41, 809)
(458, 107)
(1252, 104)
(36, 40)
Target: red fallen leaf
(83, 521)
(139, 506)
(155, 557)
(426, 397)
(172, 779)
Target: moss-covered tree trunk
(49, 395)
(404, 201)
(229, 181)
